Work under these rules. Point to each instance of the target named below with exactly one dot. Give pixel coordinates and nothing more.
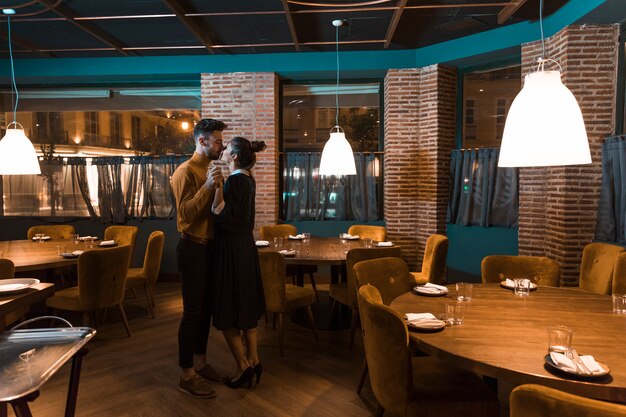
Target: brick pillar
(558, 205)
(420, 132)
(248, 104)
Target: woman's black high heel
(244, 379)
(258, 370)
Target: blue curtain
(481, 194)
(307, 196)
(611, 224)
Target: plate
(420, 290)
(384, 244)
(552, 366)
(102, 244)
(432, 325)
(288, 254)
(69, 255)
(533, 286)
(8, 286)
(262, 244)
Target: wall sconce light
(77, 139)
(184, 125)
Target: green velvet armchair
(596, 267)
(376, 233)
(123, 235)
(147, 275)
(56, 231)
(434, 262)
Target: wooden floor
(138, 376)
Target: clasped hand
(214, 177)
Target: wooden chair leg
(274, 321)
(150, 306)
(353, 325)
(280, 333)
(362, 377)
(120, 309)
(312, 279)
(149, 290)
(333, 308)
(309, 313)
(134, 292)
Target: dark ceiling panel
(117, 7)
(55, 35)
(221, 6)
(149, 32)
(245, 30)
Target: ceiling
(117, 28)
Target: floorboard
(138, 376)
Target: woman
(238, 291)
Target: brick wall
(248, 104)
(420, 129)
(558, 205)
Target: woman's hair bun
(257, 145)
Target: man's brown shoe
(197, 387)
(210, 374)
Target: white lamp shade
(544, 126)
(17, 154)
(337, 157)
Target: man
(193, 185)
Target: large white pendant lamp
(337, 157)
(544, 126)
(17, 154)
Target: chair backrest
(273, 276)
(152, 258)
(377, 233)
(123, 235)
(390, 276)
(270, 231)
(619, 275)
(434, 262)
(102, 277)
(386, 350)
(538, 401)
(55, 231)
(539, 269)
(596, 267)
(7, 268)
(356, 255)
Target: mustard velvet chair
(269, 232)
(147, 275)
(538, 401)
(539, 269)
(377, 233)
(123, 235)
(619, 274)
(419, 386)
(281, 298)
(101, 284)
(434, 262)
(596, 267)
(345, 292)
(56, 231)
(7, 270)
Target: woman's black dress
(238, 299)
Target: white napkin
(350, 237)
(419, 316)
(566, 364)
(287, 252)
(509, 282)
(88, 237)
(385, 244)
(431, 288)
(299, 236)
(107, 242)
(77, 252)
(42, 238)
(262, 243)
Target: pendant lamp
(544, 126)
(337, 157)
(17, 154)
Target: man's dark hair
(205, 126)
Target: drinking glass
(342, 237)
(278, 242)
(61, 249)
(521, 287)
(306, 235)
(39, 237)
(367, 242)
(455, 310)
(89, 242)
(559, 339)
(619, 303)
(74, 238)
(463, 291)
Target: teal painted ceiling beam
(296, 65)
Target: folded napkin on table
(107, 242)
(432, 288)
(77, 252)
(300, 236)
(88, 237)
(419, 316)
(42, 237)
(349, 236)
(287, 252)
(509, 282)
(262, 243)
(566, 364)
(385, 243)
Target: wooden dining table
(316, 250)
(28, 255)
(505, 336)
(18, 300)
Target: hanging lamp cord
(543, 41)
(337, 83)
(13, 84)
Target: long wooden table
(16, 301)
(321, 250)
(35, 256)
(505, 336)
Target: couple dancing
(217, 258)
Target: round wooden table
(505, 336)
(317, 250)
(35, 256)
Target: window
(91, 130)
(487, 96)
(308, 114)
(115, 127)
